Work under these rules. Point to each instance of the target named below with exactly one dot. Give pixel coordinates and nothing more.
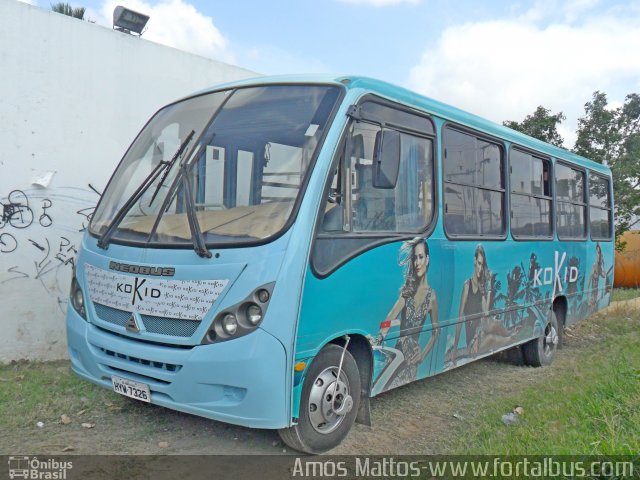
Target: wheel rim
(550, 340)
(323, 401)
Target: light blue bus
(274, 252)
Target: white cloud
(574, 8)
(175, 23)
(381, 3)
(272, 60)
(569, 10)
(503, 70)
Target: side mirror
(386, 159)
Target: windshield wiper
(103, 241)
(199, 244)
(169, 165)
(182, 179)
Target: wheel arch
(360, 348)
(560, 307)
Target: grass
(589, 405)
(625, 294)
(42, 392)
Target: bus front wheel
(328, 405)
(542, 350)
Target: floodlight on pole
(128, 21)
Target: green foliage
(620, 294)
(67, 9)
(612, 136)
(588, 405)
(541, 125)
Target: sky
(497, 59)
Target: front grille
(144, 340)
(170, 326)
(161, 365)
(112, 315)
(173, 327)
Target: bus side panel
(517, 284)
(355, 299)
(498, 297)
(594, 292)
(521, 280)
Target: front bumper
(241, 381)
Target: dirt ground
(419, 418)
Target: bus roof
(421, 102)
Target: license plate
(129, 388)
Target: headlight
(263, 295)
(76, 298)
(229, 324)
(254, 314)
(211, 335)
(241, 318)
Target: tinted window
(399, 118)
(529, 174)
(600, 224)
(569, 184)
(407, 207)
(571, 220)
(530, 216)
(600, 207)
(472, 211)
(355, 204)
(473, 185)
(599, 191)
(571, 210)
(530, 195)
(471, 161)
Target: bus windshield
(225, 167)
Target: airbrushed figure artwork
(416, 303)
(492, 318)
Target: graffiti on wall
(39, 235)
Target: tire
(561, 328)
(541, 351)
(319, 429)
(514, 355)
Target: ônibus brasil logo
(33, 468)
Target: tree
(67, 9)
(541, 125)
(612, 136)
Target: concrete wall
(73, 95)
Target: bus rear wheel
(542, 350)
(329, 404)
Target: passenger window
(530, 182)
(571, 207)
(599, 207)
(354, 204)
(473, 185)
(406, 208)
